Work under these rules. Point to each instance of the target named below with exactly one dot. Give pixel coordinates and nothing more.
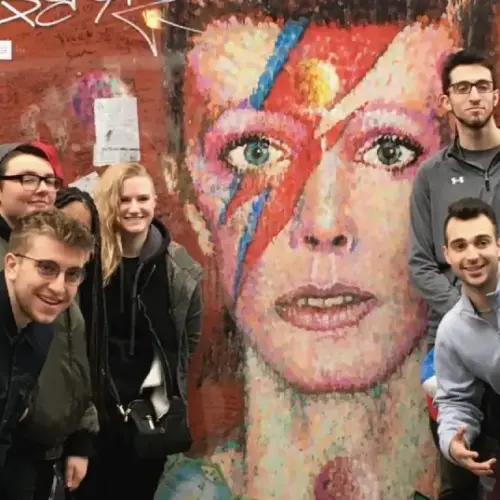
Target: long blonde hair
(107, 197)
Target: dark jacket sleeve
(432, 285)
(81, 442)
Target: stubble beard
(474, 124)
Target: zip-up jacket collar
(466, 307)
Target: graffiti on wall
(301, 132)
(144, 18)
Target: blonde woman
(153, 306)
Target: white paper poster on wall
(5, 50)
(86, 183)
(116, 131)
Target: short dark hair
(23, 149)
(465, 57)
(468, 209)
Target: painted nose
(325, 224)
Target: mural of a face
(302, 165)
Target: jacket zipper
(131, 350)
(486, 173)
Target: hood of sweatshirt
(150, 260)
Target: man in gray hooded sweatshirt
(468, 167)
(467, 350)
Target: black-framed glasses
(50, 270)
(465, 87)
(31, 182)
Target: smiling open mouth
(318, 309)
(49, 301)
(475, 271)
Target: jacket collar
(493, 300)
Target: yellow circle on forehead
(318, 82)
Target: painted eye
(391, 151)
(254, 153)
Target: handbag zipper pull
(150, 421)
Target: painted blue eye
(248, 153)
(257, 152)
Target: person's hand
(467, 458)
(76, 470)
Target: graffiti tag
(35, 14)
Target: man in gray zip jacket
(468, 167)
(467, 342)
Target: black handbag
(153, 437)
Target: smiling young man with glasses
(469, 167)
(44, 266)
(61, 420)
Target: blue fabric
(427, 368)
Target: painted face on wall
(302, 164)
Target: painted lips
(318, 309)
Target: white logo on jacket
(460, 180)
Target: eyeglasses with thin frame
(50, 270)
(465, 87)
(31, 182)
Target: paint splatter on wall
(91, 86)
